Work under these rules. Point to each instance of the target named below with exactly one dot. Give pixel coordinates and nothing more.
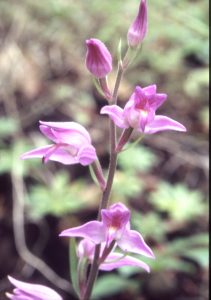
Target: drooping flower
(29, 291)
(114, 227)
(114, 259)
(138, 28)
(72, 144)
(98, 58)
(139, 112)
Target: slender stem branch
(92, 275)
(106, 193)
(120, 72)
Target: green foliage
(196, 82)
(109, 285)
(150, 225)
(59, 197)
(173, 255)
(137, 158)
(8, 126)
(73, 265)
(204, 117)
(178, 201)
(11, 156)
(125, 185)
(195, 248)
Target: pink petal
(114, 261)
(150, 89)
(116, 114)
(63, 156)
(86, 155)
(38, 152)
(21, 296)
(157, 100)
(59, 155)
(138, 28)
(66, 126)
(132, 241)
(86, 248)
(162, 123)
(93, 230)
(36, 291)
(98, 58)
(47, 131)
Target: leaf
(61, 196)
(143, 159)
(178, 201)
(200, 255)
(8, 126)
(109, 285)
(149, 224)
(125, 186)
(73, 265)
(164, 263)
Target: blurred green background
(164, 180)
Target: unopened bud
(98, 58)
(138, 28)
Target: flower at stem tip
(29, 291)
(138, 28)
(99, 63)
(72, 144)
(114, 229)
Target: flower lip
(117, 216)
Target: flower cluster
(108, 242)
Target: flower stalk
(106, 193)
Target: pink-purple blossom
(72, 144)
(139, 112)
(138, 28)
(98, 58)
(29, 291)
(112, 261)
(114, 227)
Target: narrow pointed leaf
(73, 265)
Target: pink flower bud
(138, 28)
(98, 58)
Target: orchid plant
(108, 242)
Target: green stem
(106, 193)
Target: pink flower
(139, 112)
(114, 227)
(72, 144)
(114, 259)
(29, 291)
(138, 28)
(98, 58)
